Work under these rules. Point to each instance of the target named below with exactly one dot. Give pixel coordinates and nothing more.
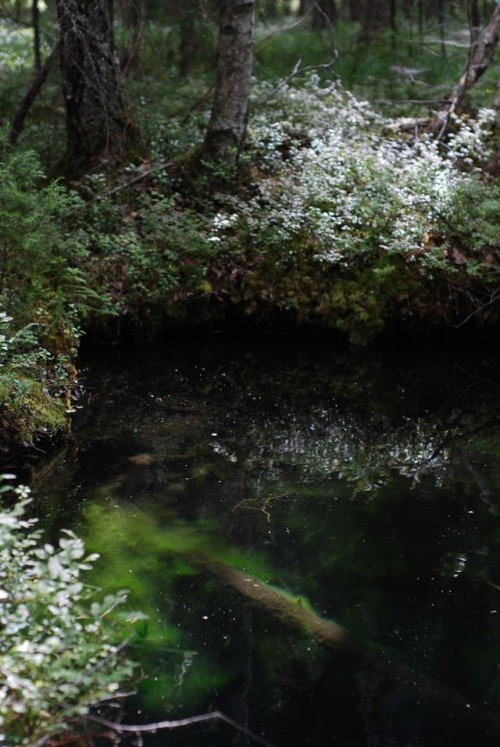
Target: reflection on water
(352, 495)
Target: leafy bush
(43, 297)
(333, 173)
(58, 656)
(347, 213)
(142, 256)
(334, 218)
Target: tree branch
(177, 723)
(481, 55)
(29, 97)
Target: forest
(334, 169)
(281, 170)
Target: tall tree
(376, 16)
(97, 122)
(228, 120)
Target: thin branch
(132, 181)
(480, 305)
(29, 97)
(35, 19)
(177, 723)
(297, 70)
(282, 29)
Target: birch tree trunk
(97, 125)
(228, 120)
(481, 56)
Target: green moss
(28, 410)
(358, 301)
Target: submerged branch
(294, 610)
(331, 634)
(177, 723)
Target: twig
(177, 723)
(480, 306)
(297, 70)
(282, 29)
(263, 506)
(130, 182)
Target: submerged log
(329, 633)
(293, 610)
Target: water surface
(360, 489)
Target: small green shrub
(58, 651)
(143, 256)
(28, 230)
(43, 297)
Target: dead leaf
(458, 257)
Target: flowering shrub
(334, 179)
(56, 655)
(347, 220)
(335, 220)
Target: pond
(312, 534)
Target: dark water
(362, 489)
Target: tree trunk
(481, 56)
(474, 19)
(97, 126)
(188, 40)
(324, 14)
(393, 22)
(227, 126)
(35, 20)
(376, 16)
(352, 10)
(440, 20)
(270, 10)
(131, 56)
(304, 7)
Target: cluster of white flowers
(4, 341)
(332, 174)
(470, 142)
(221, 223)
